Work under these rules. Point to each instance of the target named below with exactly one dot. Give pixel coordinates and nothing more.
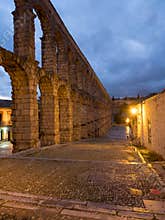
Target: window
(0, 117)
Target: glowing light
(127, 120)
(5, 129)
(134, 111)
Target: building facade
(121, 109)
(5, 120)
(151, 123)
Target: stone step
(87, 210)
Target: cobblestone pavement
(97, 179)
(160, 168)
(119, 133)
(92, 152)
(112, 147)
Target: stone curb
(36, 150)
(140, 155)
(75, 208)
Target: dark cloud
(123, 40)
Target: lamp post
(133, 112)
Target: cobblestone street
(96, 179)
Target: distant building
(150, 128)
(121, 108)
(5, 120)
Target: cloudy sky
(124, 41)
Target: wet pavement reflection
(120, 133)
(6, 148)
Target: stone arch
(48, 45)
(24, 28)
(24, 108)
(65, 114)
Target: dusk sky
(124, 41)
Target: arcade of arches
(73, 103)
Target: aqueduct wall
(74, 104)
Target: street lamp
(127, 120)
(133, 121)
(133, 111)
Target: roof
(5, 103)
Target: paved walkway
(96, 179)
(119, 133)
(5, 148)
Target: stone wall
(73, 104)
(151, 123)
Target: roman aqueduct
(74, 104)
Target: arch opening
(5, 86)
(5, 112)
(24, 109)
(47, 45)
(38, 37)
